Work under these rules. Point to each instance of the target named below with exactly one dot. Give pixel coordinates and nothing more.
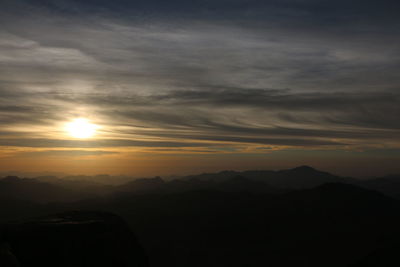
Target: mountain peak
(304, 168)
(11, 178)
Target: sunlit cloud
(200, 78)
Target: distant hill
(88, 187)
(71, 188)
(104, 179)
(241, 183)
(389, 185)
(297, 178)
(83, 238)
(236, 183)
(331, 225)
(33, 190)
(240, 221)
(142, 185)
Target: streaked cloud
(204, 76)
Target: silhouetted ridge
(240, 183)
(304, 169)
(389, 185)
(10, 179)
(339, 199)
(387, 256)
(341, 190)
(345, 188)
(74, 239)
(296, 178)
(30, 189)
(232, 222)
(13, 187)
(143, 185)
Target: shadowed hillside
(243, 219)
(71, 239)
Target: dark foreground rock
(71, 239)
(386, 256)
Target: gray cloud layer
(284, 73)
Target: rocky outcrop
(90, 239)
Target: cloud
(68, 153)
(190, 118)
(283, 73)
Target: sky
(178, 87)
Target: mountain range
(53, 189)
(295, 217)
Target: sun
(81, 128)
